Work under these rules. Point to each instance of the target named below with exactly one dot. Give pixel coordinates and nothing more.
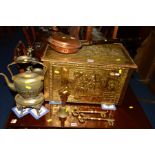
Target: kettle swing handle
(13, 63)
(45, 67)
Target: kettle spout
(10, 85)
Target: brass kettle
(29, 83)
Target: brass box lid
(96, 55)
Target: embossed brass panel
(96, 74)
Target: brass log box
(97, 74)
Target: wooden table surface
(129, 115)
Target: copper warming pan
(64, 43)
(67, 44)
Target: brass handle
(13, 63)
(45, 67)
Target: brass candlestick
(63, 113)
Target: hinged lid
(114, 55)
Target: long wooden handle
(114, 35)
